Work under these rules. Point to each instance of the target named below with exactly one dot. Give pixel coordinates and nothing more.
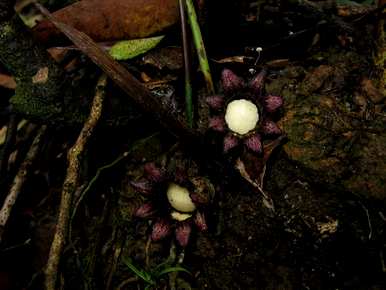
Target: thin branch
(70, 184)
(8, 144)
(19, 180)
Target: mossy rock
(328, 138)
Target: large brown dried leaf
(113, 19)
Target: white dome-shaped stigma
(179, 198)
(241, 116)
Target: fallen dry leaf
(371, 91)
(7, 81)
(113, 19)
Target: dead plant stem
(20, 178)
(70, 185)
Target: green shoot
(199, 45)
(152, 276)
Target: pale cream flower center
(241, 116)
(179, 198)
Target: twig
(199, 44)
(8, 144)
(188, 85)
(20, 179)
(70, 184)
(368, 220)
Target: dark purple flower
(165, 210)
(246, 116)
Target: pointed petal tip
(270, 128)
(215, 102)
(183, 231)
(230, 81)
(272, 103)
(217, 124)
(257, 83)
(145, 210)
(199, 198)
(230, 142)
(152, 172)
(254, 143)
(142, 186)
(161, 229)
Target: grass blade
(142, 274)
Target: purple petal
(230, 81)
(161, 229)
(254, 143)
(145, 210)
(200, 221)
(269, 127)
(215, 102)
(217, 124)
(230, 141)
(143, 186)
(183, 231)
(153, 173)
(257, 83)
(272, 103)
(199, 198)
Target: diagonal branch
(124, 79)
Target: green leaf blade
(128, 49)
(142, 274)
(172, 269)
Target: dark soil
(326, 225)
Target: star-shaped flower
(244, 112)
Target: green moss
(50, 98)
